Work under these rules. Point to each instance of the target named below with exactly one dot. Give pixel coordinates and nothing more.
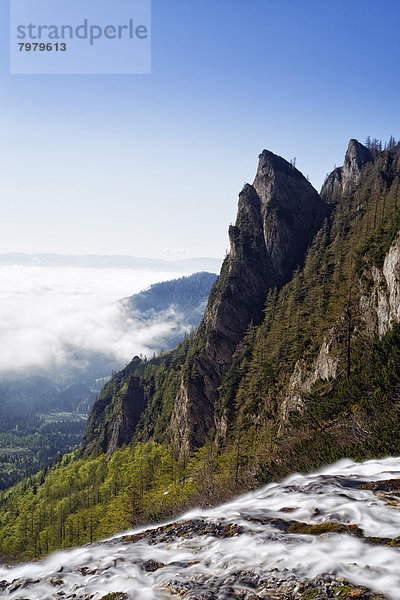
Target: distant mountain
(179, 304)
(95, 261)
(187, 295)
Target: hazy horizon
(205, 263)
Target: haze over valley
(64, 329)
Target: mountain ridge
(183, 265)
(211, 411)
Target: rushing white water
(330, 495)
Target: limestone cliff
(277, 218)
(325, 367)
(380, 301)
(132, 404)
(379, 309)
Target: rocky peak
(271, 166)
(277, 218)
(291, 212)
(115, 415)
(356, 157)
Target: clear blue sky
(137, 164)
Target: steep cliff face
(115, 415)
(304, 376)
(131, 406)
(342, 178)
(277, 218)
(357, 156)
(332, 187)
(291, 213)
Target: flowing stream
(154, 567)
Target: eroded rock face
(381, 306)
(379, 310)
(356, 157)
(291, 212)
(277, 218)
(132, 404)
(324, 367)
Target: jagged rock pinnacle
(277, 218)
(356, 157)
(341, 178)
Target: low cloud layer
(51, 317)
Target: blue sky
(151, 165)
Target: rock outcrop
(325, 367)
(380, 306)
(341, 178)
(277, 218)
(332, 187)
(132, 404)
(356, 157)
(115, 415)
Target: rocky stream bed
(332, 534)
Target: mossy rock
(310, 594)
(395, 542)
(329, 527)
(351, 592)
(385, 485)
(342, 591)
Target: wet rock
(324, 587)
(86, 571)
(186, 529)
(250, 580)
(386, 485)
(54, 581)
(183, 564)
(21, 584)
(152, 565)
(329, 527)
